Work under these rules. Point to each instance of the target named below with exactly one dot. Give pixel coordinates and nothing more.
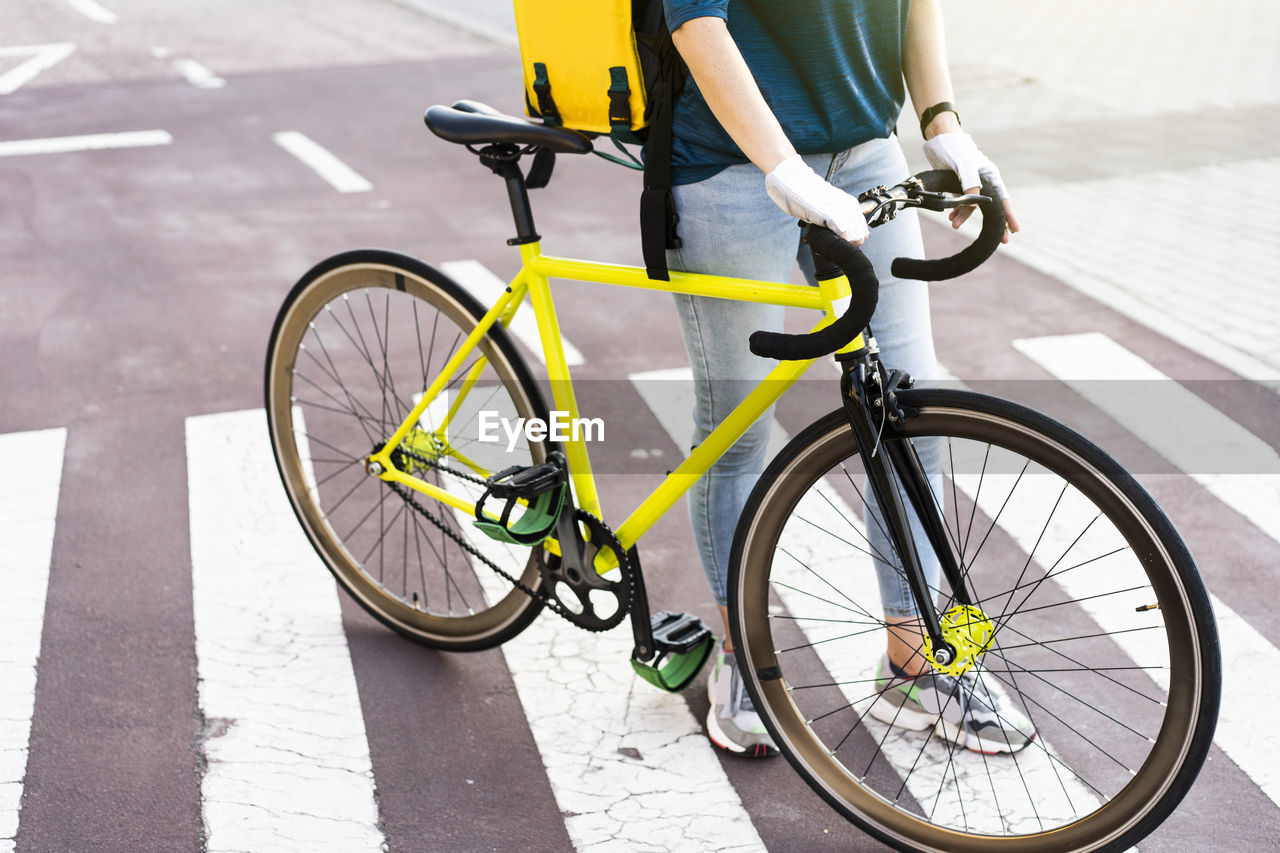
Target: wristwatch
(936, 110)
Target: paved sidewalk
(1140, 142)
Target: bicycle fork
(869, 398)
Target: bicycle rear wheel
(1103, 635)
(354, 346)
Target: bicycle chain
(549, 601)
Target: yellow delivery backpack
(607, 67)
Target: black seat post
(504, 160)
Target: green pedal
(538, 489)
(682, 645)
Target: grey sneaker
(969, 710)
(733, 724)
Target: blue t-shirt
(831, 71)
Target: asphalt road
(137, 290)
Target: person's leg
(970, 710)
(902, 329)
(729, 226)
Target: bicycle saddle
(473, 123)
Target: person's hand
(803, 193)
(957, 151)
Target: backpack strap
(542, 88)
(658, 218)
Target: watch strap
(936, 110)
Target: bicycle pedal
(540, 489)
(682, 645)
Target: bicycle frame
(533, 280)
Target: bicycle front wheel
(355, 345)
(1100, 634)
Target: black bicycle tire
(523, 609)
(768, 500)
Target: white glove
(803, 193)
(958, 152)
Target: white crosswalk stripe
(1237, 467)
(628, 764)
(30, 480)
(1083, 362)
(288, 760)
(487, 287)
(827, 510)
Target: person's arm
(924, 67)
(730, 90)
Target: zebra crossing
(287, 758)
(288, 761)
(32, 466)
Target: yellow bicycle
(1063, 585)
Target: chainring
(580, 605)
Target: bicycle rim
(354, 347)
(1102, 636)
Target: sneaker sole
(901, 717)
(717, 737)
(974, 743)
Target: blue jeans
(729, 226)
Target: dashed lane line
(30, 480)
(487, 287)
(94, 11)
(197, 75)
(41, 58)
(89, 142)
(338, 174)
(288, 759)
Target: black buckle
(619, 98)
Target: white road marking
(630, 767)
(669, 393)
(30, 480)
(340, 176)
(197, 75)
(94, 11)
(1060, 259)
(1238, 468)
(1171, 428)
(288, 759)
(89, 142)
(43, 56)
(487, 287)
(995, 794)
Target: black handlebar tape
(865, 293)
(970, 257)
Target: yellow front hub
(967, 630)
